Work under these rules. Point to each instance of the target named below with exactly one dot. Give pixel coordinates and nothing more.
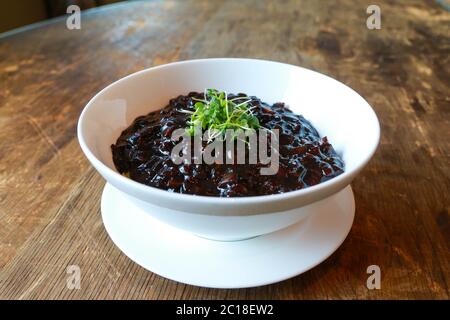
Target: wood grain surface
(50, 195)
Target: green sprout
(216, 113)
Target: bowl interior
(335, 110)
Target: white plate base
(186, 258)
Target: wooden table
(50, 195)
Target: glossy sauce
(143, 151)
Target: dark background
(15, 14)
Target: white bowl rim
(248, 200)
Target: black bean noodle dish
(144, 151)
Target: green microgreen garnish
(216, 113)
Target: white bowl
(334, 109)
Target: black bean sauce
(143, 152)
